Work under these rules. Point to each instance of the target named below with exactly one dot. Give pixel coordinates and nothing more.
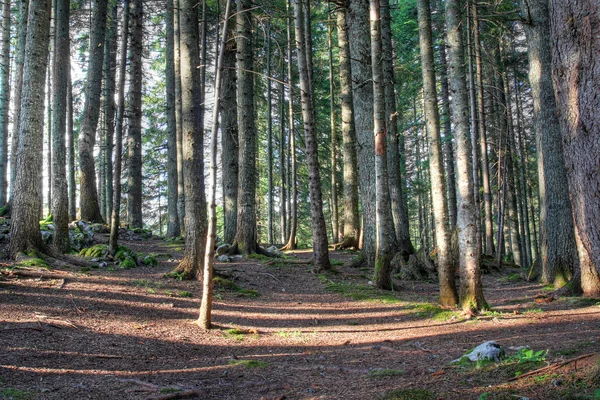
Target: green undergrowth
(125, 257)
(435, 312)
(410, 394)
(15, 394)
(384, 373)
(239, 334)
(34, 262)
(358, 292)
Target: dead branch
(553, 366)
(35, 274)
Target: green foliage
(150, 260)
(528, 355)
(358, 292)
(34, 263)
(249, 363)
(183, 293)
(45, 222)
(428, 310)
(15, 394)
(234, 333)
(409, 394)
(97, 251)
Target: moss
(125, 252)
(128, 262)
(225, 284)
(150, 260)
(383, 373)
(34, 262)
(97, 251)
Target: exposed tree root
(553, 366)
(348, 242)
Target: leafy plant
(528, 355)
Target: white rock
(275, 250)
(485, 351)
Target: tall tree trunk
(18, 85)
(332, 116)
(70, 146)
(134, 131)
(4, 99)
(25, 227)
(293, 208)
(115, 220)
(282, 154)
(576, 72)
(446, 271)
(351, 216)
(229, 138)
(481, 118)
(193, 149)
(269, 140)
(89, 202)
(245, 237)
(399, 208)
(319, 230)
(178, 118)
(110, 67)
(173, 227)
(204, 319)
(60, 202)
(360, 51)
(438, 25)
(382, 275)
(471, 290)
(557, 234)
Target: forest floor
(283, 332)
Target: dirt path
(281, 331)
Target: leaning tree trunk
(60, 202)
(360, 51)
(173, 227)
(25, 227)
(557, 235)
(471, 289)
(88, 199)
(351, 216)
(245, 237)
(320, 251)
(134, 131)
(229, 138)
(4, 100)
(446, 269)
(115, 219)
(193, 157)
(576, 73)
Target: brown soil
(130, 334)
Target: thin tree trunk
(351, 216)
(282, 155)
(293, 220)
(446, 271)
(60, 202)
(115, 219)
(70, 146)
(25, 228)
(204, 319)
(4, 99)
(269, 141)
(471, 290)
(110, 66)
(134, 131)
(332, 116)
(178, 118)
(89, 201)
(173, 227)
(18, 85)
(320, 249)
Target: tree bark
(60, 202)
(134, 131)
(446, 269)
(88, 199)
(351, 216)
(471, 290)
(178, 117)
(269, 141)
(110, 67)
(193, 156)
(558, 249)
(70, 147)
(360, 52)
(319, 230)
(25, 227)
(4, 99)
(229, 138)
(115, 220)
(333, 131)
(173, 227)
(576, 74)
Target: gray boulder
(223, 249)
(486, 351)
(275, 250)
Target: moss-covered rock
(97, 251)
(149, 260)
(128, 262)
